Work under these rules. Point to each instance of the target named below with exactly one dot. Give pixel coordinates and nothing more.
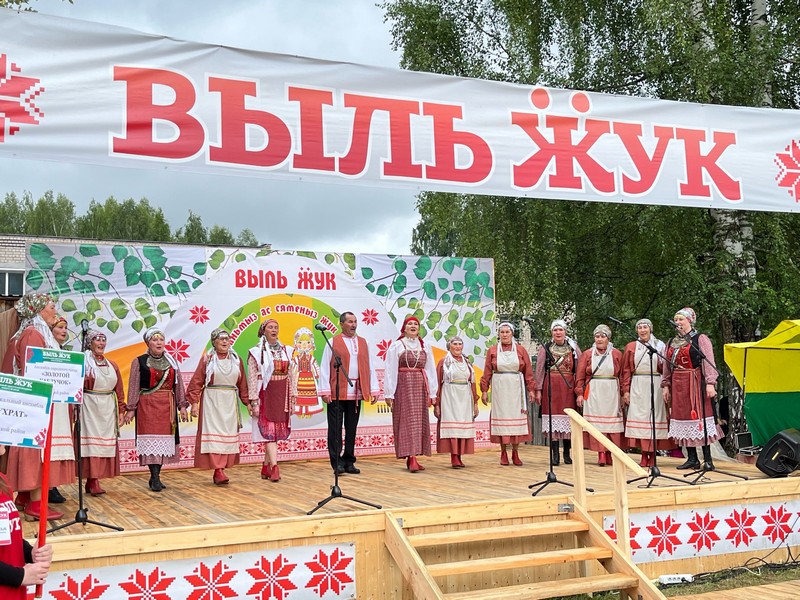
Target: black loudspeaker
(781, 455)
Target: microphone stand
(655, 472)
(550, 476)
(706, 465)
(336, 491)
(82, 516)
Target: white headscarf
(212, 359)
(513, 343)
(450, 362)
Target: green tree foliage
(220, 236)
(247, 239)
(127, 220)
(50, 215)
(11, 217)
(593, 259)
(193, 232)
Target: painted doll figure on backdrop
(305, 364)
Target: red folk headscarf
(406, 321)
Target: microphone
(84, 326)
(617, 321)
(674, 324)
(320, 327)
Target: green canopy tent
(768, 371)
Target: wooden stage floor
(192, 499)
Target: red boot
(276, 474)
(220, 478)
(266, 471)
(413, 465)
(454, 462)
(93, 487)
(608, 458)
(601, 459)
(503, 458)
(516, 459)
(461, 465)
(32, 512)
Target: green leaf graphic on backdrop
(89, 250)
(42, 256)
(452, 288)
(155, 256)
(34, 279)
(119, 252)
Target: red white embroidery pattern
(710, 531)
(17, 96)
(369, 316)
(297, 573)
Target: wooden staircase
(558, 552)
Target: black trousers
(343, 412)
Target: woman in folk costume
(61, 331)
(509, 373)
(61, 335)
(456, 404)
(217, 386)
(598, 390)
(557, 388)
(102, 412)
(307, 368)
(410, 386)
(155, 396)
(273, 388)
(638, 365)
(37, 313)
(689, 382)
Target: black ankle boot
(692, 462)
(155, 480)
(55, 497)
(554, 453)
(567, 448)
(708, 463)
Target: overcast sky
(288, 215)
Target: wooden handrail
(620, 461)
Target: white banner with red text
(84, 92)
